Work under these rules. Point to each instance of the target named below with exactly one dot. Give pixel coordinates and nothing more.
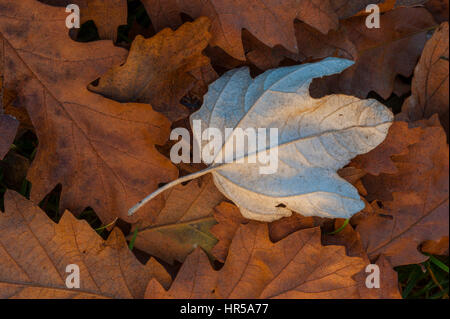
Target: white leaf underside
(316, 138)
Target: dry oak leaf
(415, 200)
(228, 218)
(297, 267)
(108, 15)
(157, 70)
(379, 159)
(184, 222)
(380, 54)
(430, 82)
(270, 22)
(316, 137)
(102, 152)
(34, 254)
(351, 239)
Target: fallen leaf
(380, 54)
(228, 218)
(272, 22)
(295, 267)
(415, 200)
(100, 151)
(157, 70)
(351, 239)
(184, 222)
(316, 138)
(34, 254)
(108, 15)
(430, 82)
(397, 141)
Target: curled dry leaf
(184, 222)
(430, 82)
(271, 22)
(108, 15)
(34, 254)
(100, 151)
(159, 70)
(295, 267)
(415, 200)
(316, 137)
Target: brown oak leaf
(380, 54)
(102, 152)
(34, 254)
(397, 141)
(158, 69)
(351, 239)
(430, 82)
(184, 222)
(415, 200)
(228, 218)
(270, 22)
(296, 267)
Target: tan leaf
(295, 267)
(183, 223)
(158, 69)
(100, 151)
(34, 254)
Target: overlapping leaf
(100, 151)
(34, 254)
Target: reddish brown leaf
(351, 239)
(415, 200)
(228, 218)
(295, 267)
(34, 254)
(430, 83)
(271, 23)
(381, 53)
(397, 141)
(100, 151)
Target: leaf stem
(178, 181)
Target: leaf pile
(84, 135)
